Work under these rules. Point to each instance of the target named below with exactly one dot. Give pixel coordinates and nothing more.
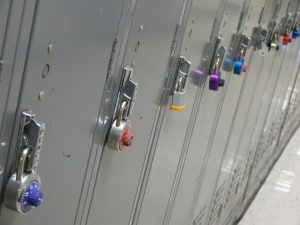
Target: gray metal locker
(225, 126)
(231, 170)
(150, 114)
(63, 81)
(287, 74)
(208, 204)
(245, 154)
(268, 127)
(152, 50)
(256, 83)
(289, 100)
(158, 199)
(208, 113)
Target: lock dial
(32, 196)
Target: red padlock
(286, 39)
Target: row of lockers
(137, 112)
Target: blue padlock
(227, 63)
(238, 65)
(295, 33)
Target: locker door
(171, 149)
(152, 51)
(16, 33)
(63, 81)
(282, 82)
(230, 171)
(6, 8)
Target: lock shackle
(242, 53)
(123, 110)
(218, 64)
(21, 165)
(179, 84)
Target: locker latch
(273, 36)
(239, 64)
(23, 190)
(228, 61)
(120, 135)
(182, 71)
(258, 38)
(215, 77)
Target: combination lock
(120, 135)
(23, 190)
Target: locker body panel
(67, 98)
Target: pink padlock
(244, 68)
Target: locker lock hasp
(239, 64)
(23, 190)
(273, 35)
(215, 77)
(290, 28)
(179, 93)
(120, 135)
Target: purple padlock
(215, 81)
